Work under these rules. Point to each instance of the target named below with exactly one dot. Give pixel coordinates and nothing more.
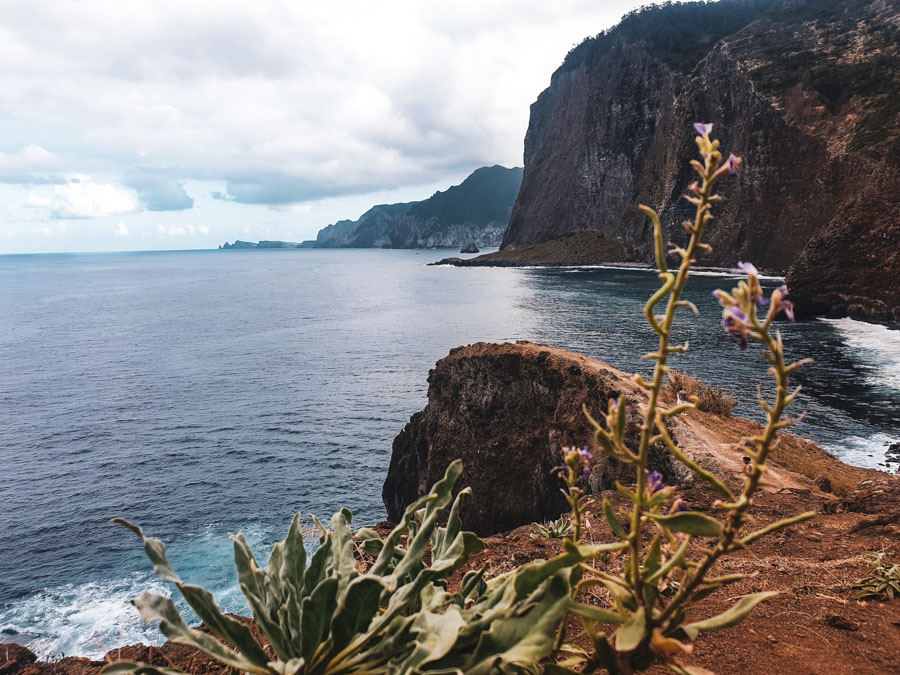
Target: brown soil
(813, 626)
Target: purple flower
(732, 163)
(655, 481)
(788, 308)
(682, 507)
(746, 268)
(585, 474)
(703, 129)
(734, 321)
(585, 453)
(780, 305)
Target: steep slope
(477, 210)
(805, 91)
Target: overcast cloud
(129, 125)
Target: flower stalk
(650, 624)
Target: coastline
(857, 510)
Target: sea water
(205, 392)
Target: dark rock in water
(469, 248)
(587, 247)
(507, 410)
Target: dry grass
(711, 399)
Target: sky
(145, 125)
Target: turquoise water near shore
(205, 392)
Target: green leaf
(315, 573)
(357, 606)
(523, 638)
(160, 608)
(531, 575)
(595, 613)
(676, 559)
(435, 636)
(293, 563)
(629, 636)
(234, 632)
(155, 550)
(317, 609)
(604, 653)
(342, 558)
(689, 522)
(612, 521)
(729, 618)
(370, 541)
(653, 557)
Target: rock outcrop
(475, 211)
(507, 410)
(586, 247)
(803, 90)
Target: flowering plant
(661, 532)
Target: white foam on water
(84, 620)
(92, 618)
(876, 346)
(865, 451)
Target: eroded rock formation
(508, 410)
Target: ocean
(198, 393)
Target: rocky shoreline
(587, 247)
(508, 409)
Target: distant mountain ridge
(475, 211)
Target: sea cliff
(805, 92)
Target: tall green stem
(660, 370)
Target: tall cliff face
(805, 91)
(477, 210)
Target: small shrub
(321, 614)
(553, 529)
(709, 399)
(883, 580)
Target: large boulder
(507, 410)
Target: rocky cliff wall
(805, 92)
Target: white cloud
(122, 230)
(181, 230)
(317, 109)
(81, 197)
(36, 201)
(31, 164)
(288, 102)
